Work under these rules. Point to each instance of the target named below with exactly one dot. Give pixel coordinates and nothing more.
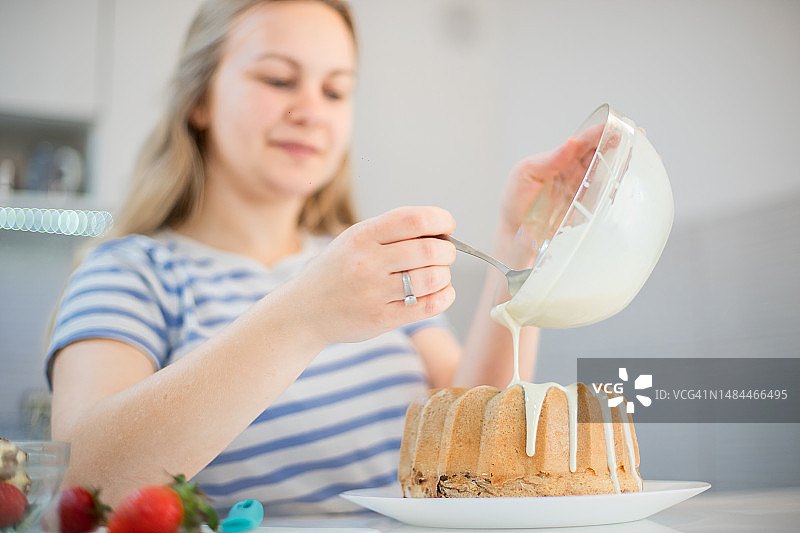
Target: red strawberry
(12, 505)
(153, 509)
(80, 510)
(163, 509)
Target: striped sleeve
(114, 294)
(438, 321)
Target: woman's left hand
(568, 162)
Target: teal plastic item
(244, 516)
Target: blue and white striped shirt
(338, 427)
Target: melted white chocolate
(627, 427)
(608, 433)
(535, 394)
(534, 399)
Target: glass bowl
(597, 239)
(39, 478)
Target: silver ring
(409, 299)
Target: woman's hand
(354, 289)
(529, 177)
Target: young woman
(242, 328)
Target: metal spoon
(515, 277)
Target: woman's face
(279, 110)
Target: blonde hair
(168, 179)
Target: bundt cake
(480, 442)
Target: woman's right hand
(354, 290)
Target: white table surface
(773, 510)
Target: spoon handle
(477, 253)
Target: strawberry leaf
(196, 509)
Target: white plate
(551, 511)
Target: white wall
(454, 92)
(48, 56)
(141, 39)
(714, 83)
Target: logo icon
(644, 381)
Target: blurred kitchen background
(453, 93)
